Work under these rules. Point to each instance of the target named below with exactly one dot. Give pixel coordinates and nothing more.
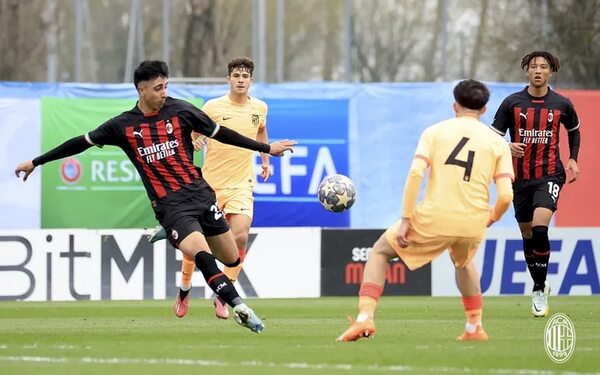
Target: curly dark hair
(242, 62)
(553, 61)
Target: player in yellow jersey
(229, 170)
(463, 156)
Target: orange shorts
(424, 249)
(236, 201)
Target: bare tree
(201, 53)
(22, 41)
(306, 29)
(332, 38)
(430, 63)
(476, 55)
(387, 33)
(395, 40)
(575, 37)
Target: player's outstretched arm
(231, 137)
(71, 147)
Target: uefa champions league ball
(337, 193)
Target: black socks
(541, 256)
(216, 280)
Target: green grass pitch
(414, 335)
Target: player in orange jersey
(463, 156)
(229, 170)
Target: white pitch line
(291, 365)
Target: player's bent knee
(382, 247)
(234, 264)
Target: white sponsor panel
(572, 269)
(20, 140)
(281, 263)
(78, 264)
(285, 262)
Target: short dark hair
(241, 62)
(150, 69)
(553, 61)
(471, 94)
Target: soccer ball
(337, 193)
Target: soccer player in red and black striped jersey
(533, 117)
(156, 136)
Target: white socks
(471, 328)
(362, 318)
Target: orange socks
(368, 294)
(232, 273)
(187, 271)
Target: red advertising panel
(579, 204)
(343, 257)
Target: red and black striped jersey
(535, 121)
(159, 144)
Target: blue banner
(289, 197)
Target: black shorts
(190, 211)
(531, 194)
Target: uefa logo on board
(70, 170)
(559, 338)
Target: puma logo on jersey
(139, 134)
(523, 115)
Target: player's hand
(279, 147)
(199, 141)
(402, 234)
(266, 171)
(517, 149)
(572, 166)
(27, 167)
